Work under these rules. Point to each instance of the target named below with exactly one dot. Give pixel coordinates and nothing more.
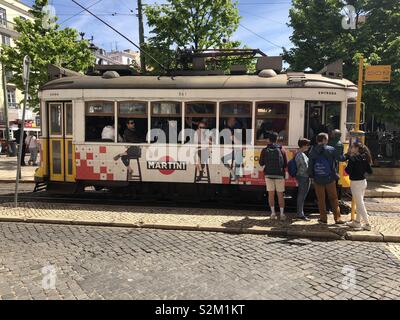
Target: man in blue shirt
(322, 169)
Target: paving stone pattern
(120, 263)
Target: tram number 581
(182, 94)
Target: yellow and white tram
(76, 109)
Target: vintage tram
(76, 109)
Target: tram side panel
(143, 163)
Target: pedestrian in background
(322, 170)
(32, 146)
(359, 164)
(17, 136)
(273, 159)
(302, 177)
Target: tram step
(40, 186)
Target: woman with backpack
(359, 164)
(301, 174)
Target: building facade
(125, 57)
(9, 10)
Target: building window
(99, 121)
(9, 75)
(6, 40)
(11, 98)
(272, 116)
(3, 17)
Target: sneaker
(322, 221)
(353, 224)
(282, 217)
(273, 216)
(304, 218)
(340, 222)
(366, 227)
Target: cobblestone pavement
(205, 219)
(108, 263)
(8, 167)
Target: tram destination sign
(378, 73)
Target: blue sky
(263, 22)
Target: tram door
(60, 141)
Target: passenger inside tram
(132, 130)
(95, 126)
(108, 133)
(199, 114)
(132, 121)
(233, 125)
(130, 134)
(99, 114)
(236, 116)
(167, 120)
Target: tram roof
(198, 82)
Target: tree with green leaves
(45, 43)
(197, 24)
(319, 38)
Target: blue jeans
(34, 153)
(304, 187)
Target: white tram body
(73, 110)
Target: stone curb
(329, 235)
(360, 236)
(13, 181)
(381, 194)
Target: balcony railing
(8, 25)
(13, 105)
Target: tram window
(132, 121)
(235, 116)
(272, 116)
(199, 113)
(332, 115)
(98, 116)
(56, 118)
(68, 118)
(166, 117)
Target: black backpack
(273, 163)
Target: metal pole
(358, 119)
(141, 37)
(27, 62)
(5, 103)
(359, 94)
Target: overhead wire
(92, 5)
(260, 36)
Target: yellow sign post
(373, 74)
(357, 134)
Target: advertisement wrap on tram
(182, 130)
